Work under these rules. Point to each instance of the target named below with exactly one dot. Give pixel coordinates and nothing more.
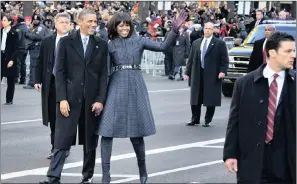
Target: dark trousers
(10, 82)
(21, 68)
(268, 175)
(52, 109)
(59, 156)
(168, 61)
(58, 161)
(33, 58)
(139, 149)
(10, 88)
(196, 109)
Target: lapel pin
(292, 78)
(212, 44)
(97, 46)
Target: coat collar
(77, 45)
(289, 74)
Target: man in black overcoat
(258, 56)
(81, 85)
(260, 143)
(207, 65)
(44, 73)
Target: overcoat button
(258, 144)
(261, 101)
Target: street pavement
(176, 154)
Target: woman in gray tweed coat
(127, 111)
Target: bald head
(209, 24)
(208, 29)
(269, 30)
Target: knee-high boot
(139, 148)
(106, 149)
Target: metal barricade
(153, 61)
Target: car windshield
(258, 33)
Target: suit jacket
(216, 60)
(246, 130)
(252, 24)
(256, 58)
(12, 43)
(43, 72)
(82, 81)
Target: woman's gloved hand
(177, 22)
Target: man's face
(88, 24)
(269, 30)
(208, 30)
(259, 15)
(284, 56)
(62, 25)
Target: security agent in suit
(9, 45)
(81, 85)
(44, 73)
(259, 20)
(260, 145)
(207, 65)
(258, 56)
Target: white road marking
(18, 122)
(169, 90)
(211, 146)
(95, 175)
(172, 171)
(43, 170)
(37, 120)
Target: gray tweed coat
(127, 111)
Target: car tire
(227, 89)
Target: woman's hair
(8, 17)
(115, 20)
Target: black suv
(239, 57)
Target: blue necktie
(85, 44)
(55, 60)
(203, 53)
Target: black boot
(106, 148)
(139, 148)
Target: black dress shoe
(206, 124)
(28, 87)
(8, 103)
(67, 154)
(86, 180)
(143, 179)
(171, 77)
(180, 79)
(50, 155)
(193, 123)
(51, 181)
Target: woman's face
(123, 30)
(5, 22)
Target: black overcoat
(43, 72)
(12, 43)
(181, 50)
(80, 79)
(246, 130)
(216, 60)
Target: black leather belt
(126, 67)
